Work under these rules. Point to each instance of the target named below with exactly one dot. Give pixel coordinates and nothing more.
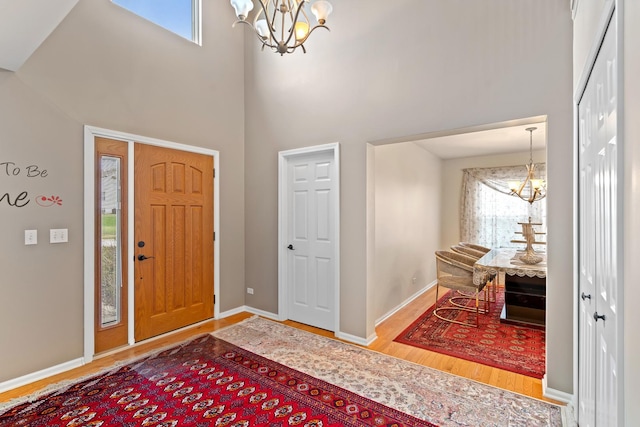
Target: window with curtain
(489, 214)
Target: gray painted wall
(407, 223)
(384, 71)
(403, 68)
(106, 67)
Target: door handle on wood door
(142, 257)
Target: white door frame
(90, 132)
(607, 13)
(283, 220)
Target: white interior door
(600, 250)
(311, 239)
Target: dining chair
(477, 252)
(455, 272)
(475, 246)
(466, 250)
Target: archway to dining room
(414, 203)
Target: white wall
(407, 223)
(452, 186)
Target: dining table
(524, 284)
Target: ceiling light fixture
(535, 187)
(282, 25)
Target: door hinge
(214, 236)
(214, 299)
(214, 172)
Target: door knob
(597, 316)
(584, 296)
(290, 247)
(142, 257)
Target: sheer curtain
(489, 214)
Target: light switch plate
(58, 235)
(30, 237)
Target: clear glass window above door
(179, 16)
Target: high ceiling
(25, 24)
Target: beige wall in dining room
(106, 67)
(407, 223)
(452, 187)
(383, 73)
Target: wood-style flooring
(386, 332)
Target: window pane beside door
(110, 237)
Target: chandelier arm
(293, 24)
(311, 31)
(264, 5)
(263, 41)
(262, 11)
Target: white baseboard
(341, 335)
(262, 313)
(405, 303)
(39, 375)
(356, 340)
(558, 395)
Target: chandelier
(531, 189)
(282, 25)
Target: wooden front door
(173, 239)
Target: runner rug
(263, 372)
(505, 346)
(207, 382)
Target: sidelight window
(110, 241)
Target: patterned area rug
(509, 347)
(206, 382)
(438, 397)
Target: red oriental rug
(512, 348)
(206, 382)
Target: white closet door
(600, 251)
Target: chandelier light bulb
(302, 30)
(242, 8)
(262, 28)
(321, 9)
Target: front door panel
(173, 239)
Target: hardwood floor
(386, 332)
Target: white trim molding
(554, 394)
(283, 158)
(405, 303)
(39, 375)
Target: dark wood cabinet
(524, 300)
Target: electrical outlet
(58, 235)
(30, 237)
(250, 291)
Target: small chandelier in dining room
(282, 25)
(531, 189)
